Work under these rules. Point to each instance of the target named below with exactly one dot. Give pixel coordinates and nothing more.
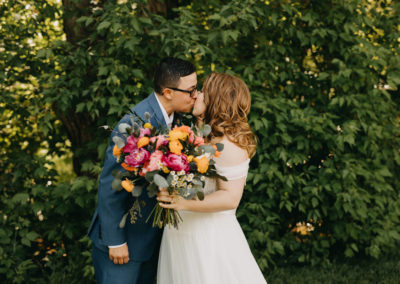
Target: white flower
(189, 178)
(173, 173)
(203, 178)
(181, 173)
(175, 178)
(173, 183)
(189, 186)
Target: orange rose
(183, 128)
(175, 147)
(190, 158)
(117, 151)
(177, 135)
(127, 185)
(128, 168)
(144, 141)
(202, 164)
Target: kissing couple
(209, 246)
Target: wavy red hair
(228, 102)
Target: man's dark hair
(169, 71)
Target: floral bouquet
(176, 159)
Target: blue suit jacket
(104, 231)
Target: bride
(209, 246)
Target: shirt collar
(168, 119)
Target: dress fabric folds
(208, 248)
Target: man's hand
(119, 255)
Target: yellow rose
(147, 125)
(177, 135)
(117, 151)
(175, 147)
(190, 158)
(202, 164)
(166, 170)
(144, 141)
(127, 185)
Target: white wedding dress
(208, 248)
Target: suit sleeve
(112, 204)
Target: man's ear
(167, 93)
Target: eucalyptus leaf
(137, 190)
(206, 130)
(136, 127)
(122, 128)
(147, 116)
(118, 141)
(152, 190)
(220, 147)
(123, 220)
(150, 176)
(160, 181)
(200, 195)
(208, 149)
(116, 184)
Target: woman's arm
(227, 197)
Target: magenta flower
(176, 162)
(131, 144)
(144, 132)
(137, 157)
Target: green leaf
(116, 184)
(118, 141)
(103, 25)
(123, 220)
(160, 181)
(200, 195)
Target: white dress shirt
(168, 119)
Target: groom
(130, 255)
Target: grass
(364, 271)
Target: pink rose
(130, 144)
(161, 140)
(176, 162)
(144, 132)
(137, 157)
(199, 141)
(191, 137)
(152, 164)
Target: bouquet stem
(163, 217)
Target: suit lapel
(158, 117)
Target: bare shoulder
(232, 154)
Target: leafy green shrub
(327, 125)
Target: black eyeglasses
(191, 93)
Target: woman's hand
(174, 201)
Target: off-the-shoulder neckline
(242, 163)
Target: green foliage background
(324, 79)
